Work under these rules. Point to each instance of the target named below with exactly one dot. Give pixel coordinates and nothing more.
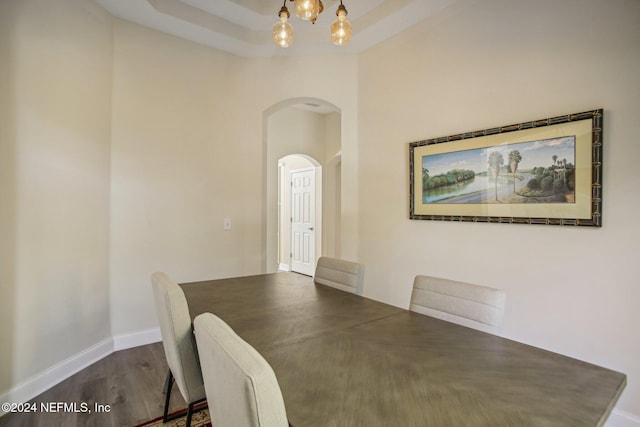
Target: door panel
(303, 221)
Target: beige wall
(179, 167)
(105, 181)
(332, 138)
(7, 194)
(55, 200)
(296, 131)
(190, 148)
(331, 209)
(497, 62)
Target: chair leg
(189, 414)
(168, 384)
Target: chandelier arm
(341, 8)
(284, 10)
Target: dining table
(345, 360)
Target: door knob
(310, 228)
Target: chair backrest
(242, 389)
(477, 307)
(347, 276)
(177, 337)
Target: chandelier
(309, 10)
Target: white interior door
(303, 221)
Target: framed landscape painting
(545, 171)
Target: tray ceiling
(243, 27)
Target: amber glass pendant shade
(341, 29)
(307, 10)
(283, 31)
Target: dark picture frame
(546, 171)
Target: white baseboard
(620, 418)
(136, 339)
(283, 267)
(59, 372)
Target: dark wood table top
(345, 360)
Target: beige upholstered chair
(477, 307)
(179, 344)
(344, 275)
(242, 389)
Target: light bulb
(307, 9)
(283, 32)
(341, 28)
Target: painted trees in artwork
(514, 159)
(495, 163)
(425, 174)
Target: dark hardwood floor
(129, 381)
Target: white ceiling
(243, 27)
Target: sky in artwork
(534, 154)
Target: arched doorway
(310, 128)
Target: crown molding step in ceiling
(246, 27)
